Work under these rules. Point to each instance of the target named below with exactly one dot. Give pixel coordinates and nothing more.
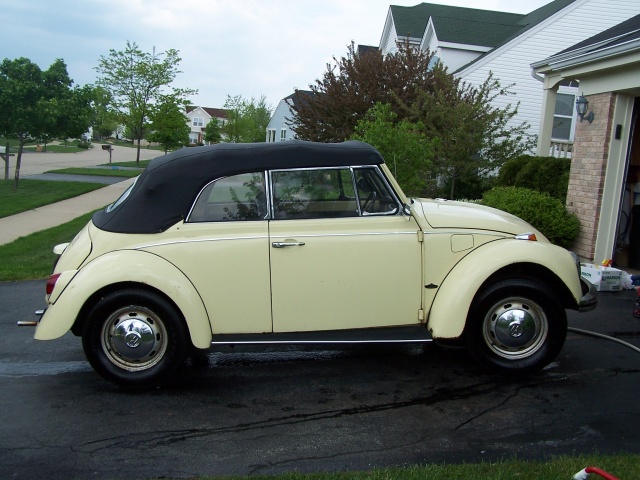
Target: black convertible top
(166, 190)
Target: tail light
(51, 283)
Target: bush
(544, 212)
(84, 144)
(544, 174)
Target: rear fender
(450, 308)
(130, 267)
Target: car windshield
(123, 197)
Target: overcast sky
(228, 47)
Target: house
(604, 184)
(474, 43)
(199, 117)
(279, 127)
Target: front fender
(450, 308)
(125, 266)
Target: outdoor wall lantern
(582, 105)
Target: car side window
(374, 195)
(314, 193)
(236, 198)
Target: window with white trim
(564, 114)
(197, 121)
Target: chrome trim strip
(319, 342)
(199, 240)
(258, 237)
(468, 232)
(313, 235)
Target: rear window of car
(235, 198)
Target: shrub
(544, 174)
(84, 144)
(544, 212)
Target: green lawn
(31, 257)
(36, 193)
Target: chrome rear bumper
(31, 323)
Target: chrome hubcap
(515, 328)
(134, 338)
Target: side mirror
(406, 209)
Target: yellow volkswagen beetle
(301, 242)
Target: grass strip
(37, 193)
(142, 164)
(101, 172)
(31, 257)
(624, 466)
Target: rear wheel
(135, 338)
(516, 326)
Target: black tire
(516, 326)
(135, 338)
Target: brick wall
(588, 166)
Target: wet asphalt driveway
(251, 411)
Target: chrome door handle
(286, 244)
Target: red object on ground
(585, 473)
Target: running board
(410, 334)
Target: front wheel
(516, 326)
(135, 338)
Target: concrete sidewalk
(16, 226)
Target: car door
(223, 249)
(342, 254)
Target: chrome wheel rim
(134, 338)
(515, 328)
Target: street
(265, 411)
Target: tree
(137, 82)
(38, 104)
(169, 125)
(403, 145)
(105, 120)
(351, 87)
(247, 120)
(474, 137)
(212, 132)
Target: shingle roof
(213, 112)
(455, 24)
(470, 26)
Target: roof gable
(469, 26)
(525, 24)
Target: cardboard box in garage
(605, 279)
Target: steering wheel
(370, 202)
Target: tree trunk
(138, 154)
(16, 177)
(6, 158)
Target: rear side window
(236, 198)
(320, 193)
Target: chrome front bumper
(589, 299)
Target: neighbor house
(604, 184)
(279, 128)
(199, 117)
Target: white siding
(511, 62)
(454, 58)
(278, 124)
